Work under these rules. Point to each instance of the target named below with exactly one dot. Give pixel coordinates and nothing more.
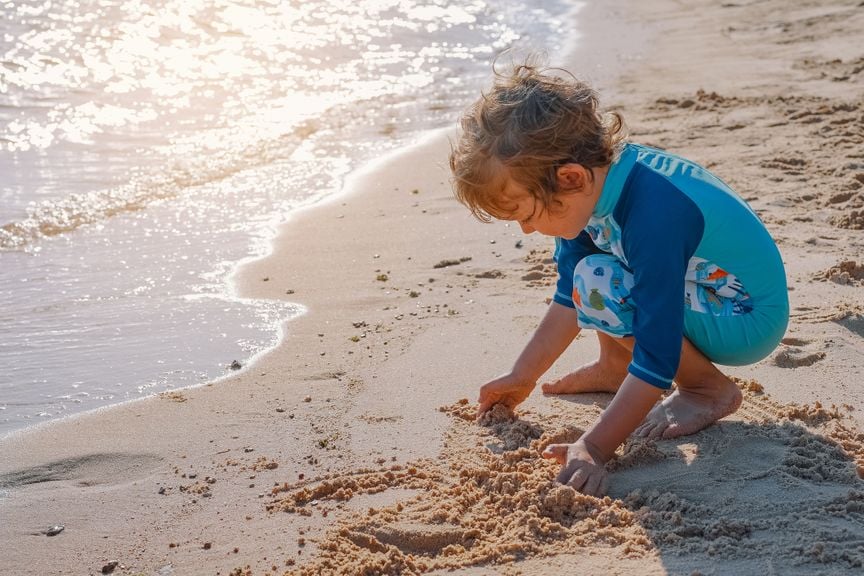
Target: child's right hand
(509, 390)
(580, 469)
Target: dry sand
(350, 448)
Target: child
(671, 268)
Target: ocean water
(148, 146)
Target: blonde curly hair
(528, 125)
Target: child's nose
(526, 228)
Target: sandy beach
(351, 448)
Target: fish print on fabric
(606, 235)
(710, 289)
(601, 292)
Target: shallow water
(146, 147)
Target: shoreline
(371, 376)
(232, 285)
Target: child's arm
(555, 332)
(583, 461)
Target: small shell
(54, 530)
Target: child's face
(568, 211)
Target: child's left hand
(580, 470)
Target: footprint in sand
(797, 352)
(89, 470)
(413, 537)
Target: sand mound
(846, 272)
(783, 483)
(854, 220)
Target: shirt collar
(616, 177)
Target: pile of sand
(846, 272)
(784, 479)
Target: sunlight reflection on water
(146, 146)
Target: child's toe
(644, 429)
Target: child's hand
(580, 470)
(508, 389)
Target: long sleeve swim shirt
(694, 247)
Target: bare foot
(686, 411)
(598, 376)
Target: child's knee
(601, 292)
(601, 275)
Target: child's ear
(572, 177)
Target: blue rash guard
(676, 253)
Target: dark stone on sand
(109, 567)
(445, 263)
(235, 365)
(490, 274)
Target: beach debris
(235, 365)
(174, 396)
(382, 277)
(307, 399)
(54, 530)
(162, 490)
(207, 545)
(289, 291)
(264, 463)
(109, 567)
(490, 274)
(518, 244)
(451, 262)
(265, 279)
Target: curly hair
(528, 125)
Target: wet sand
(350, 448)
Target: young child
(672, 269)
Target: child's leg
(702, 396)
(603, 375)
